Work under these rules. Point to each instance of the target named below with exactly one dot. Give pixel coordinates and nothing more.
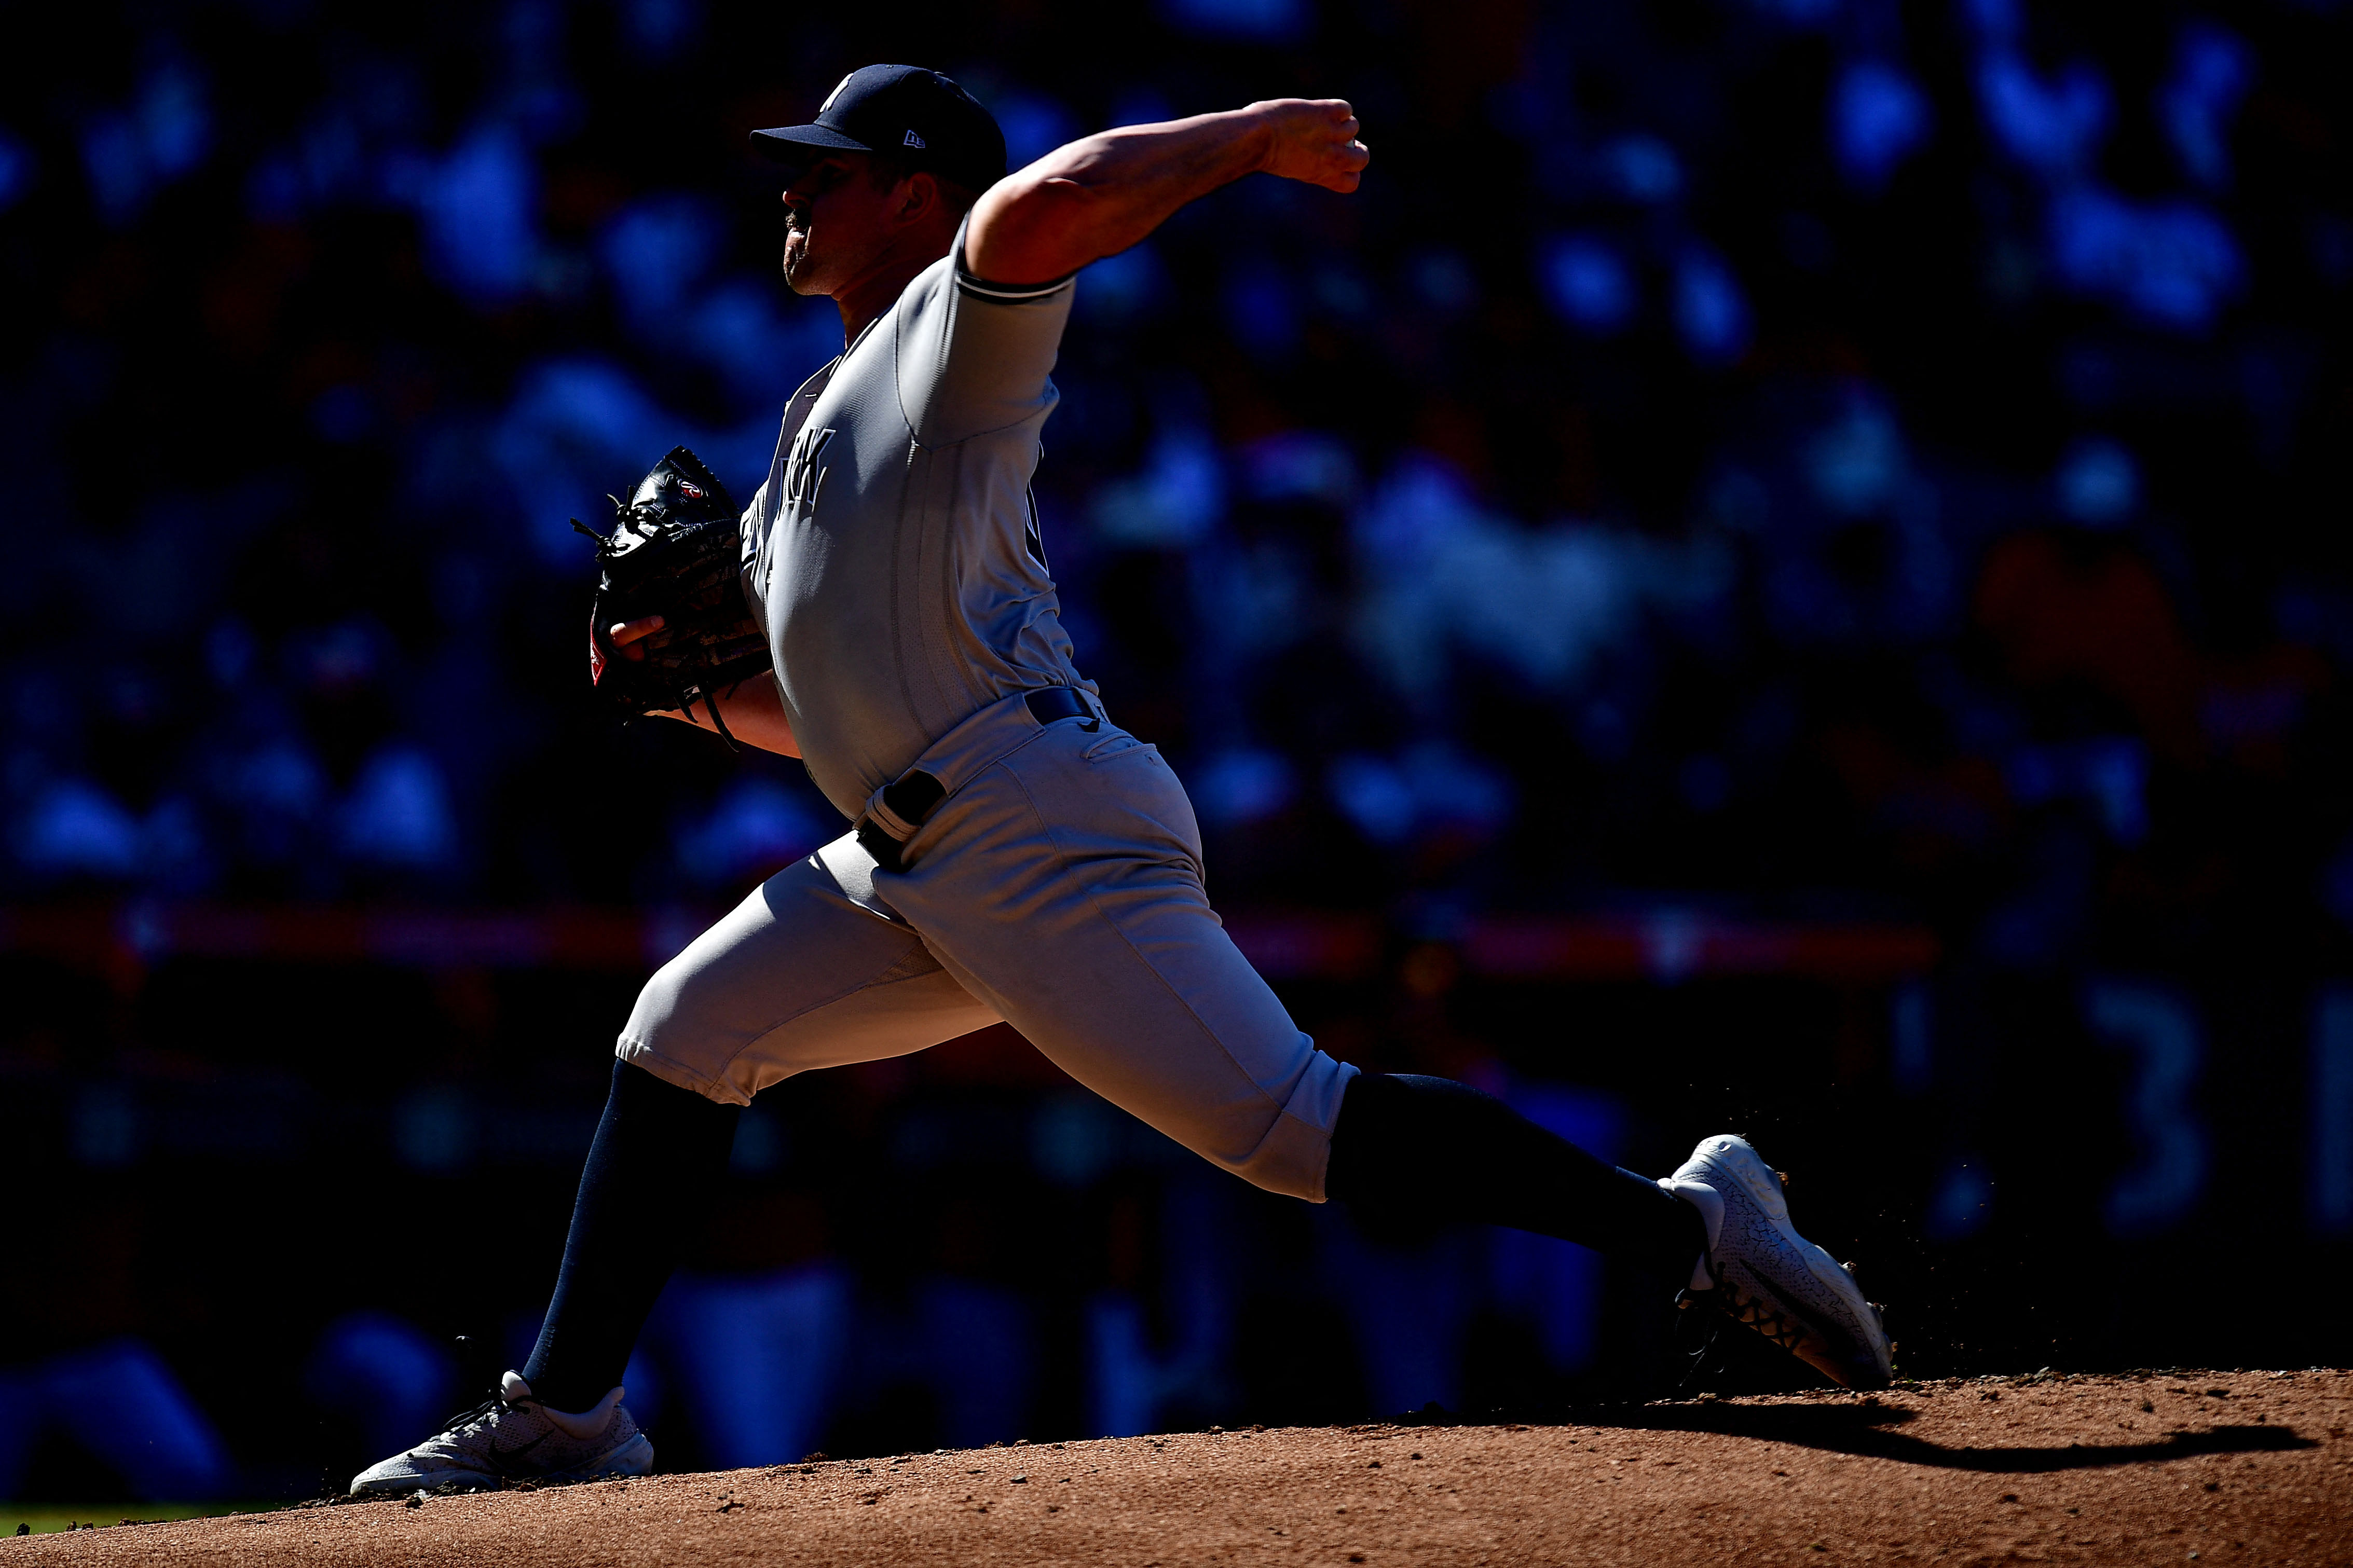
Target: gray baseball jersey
(893, 550)
(894, 554)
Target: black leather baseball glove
(674, 553)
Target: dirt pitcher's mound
(2242, 1468)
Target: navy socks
(656, 1163)
(1406, 1147)
(1431, 1150)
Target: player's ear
(918, 198)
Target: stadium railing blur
(1664, 944)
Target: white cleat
(1770, 1279)
(512, 1436)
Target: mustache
(796, 217)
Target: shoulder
(972, 355)
(937, 291)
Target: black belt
(915, 794)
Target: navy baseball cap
(919, 117)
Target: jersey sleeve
(973, 355)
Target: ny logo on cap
(913, 140)
(829, 97)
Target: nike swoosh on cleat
(502, 1464)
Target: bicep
(1032, 229)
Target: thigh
(1063, 888)
(811, 971)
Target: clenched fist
(1314, 140)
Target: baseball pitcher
(883, 610)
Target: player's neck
(874, 291)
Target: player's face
(837, 222)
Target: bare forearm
(1101, 194)
(754, 713)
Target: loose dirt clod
(2070, 1469)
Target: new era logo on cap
(913, 140)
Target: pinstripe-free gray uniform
(894, 554)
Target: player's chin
(795, 261)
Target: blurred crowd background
(1783, 566)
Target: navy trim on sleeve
(981, 287)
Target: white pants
(1059, 889)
